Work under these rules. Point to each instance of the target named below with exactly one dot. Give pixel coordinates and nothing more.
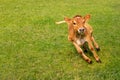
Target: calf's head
(77, 23)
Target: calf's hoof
(89, 61)
(98, 61)
(98, 49)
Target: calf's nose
(82, 29)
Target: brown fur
(79, 32)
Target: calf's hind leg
(85, 47)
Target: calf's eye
(74, 23)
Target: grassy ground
(33, 47)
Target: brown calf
(79, 33)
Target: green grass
(33, 47)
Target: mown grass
(33, 47)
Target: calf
(80, 33)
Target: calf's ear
(67, 20)
(87, 17)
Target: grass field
(33, 47)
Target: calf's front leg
(95, 44)
(93, 51)
(82, 53)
